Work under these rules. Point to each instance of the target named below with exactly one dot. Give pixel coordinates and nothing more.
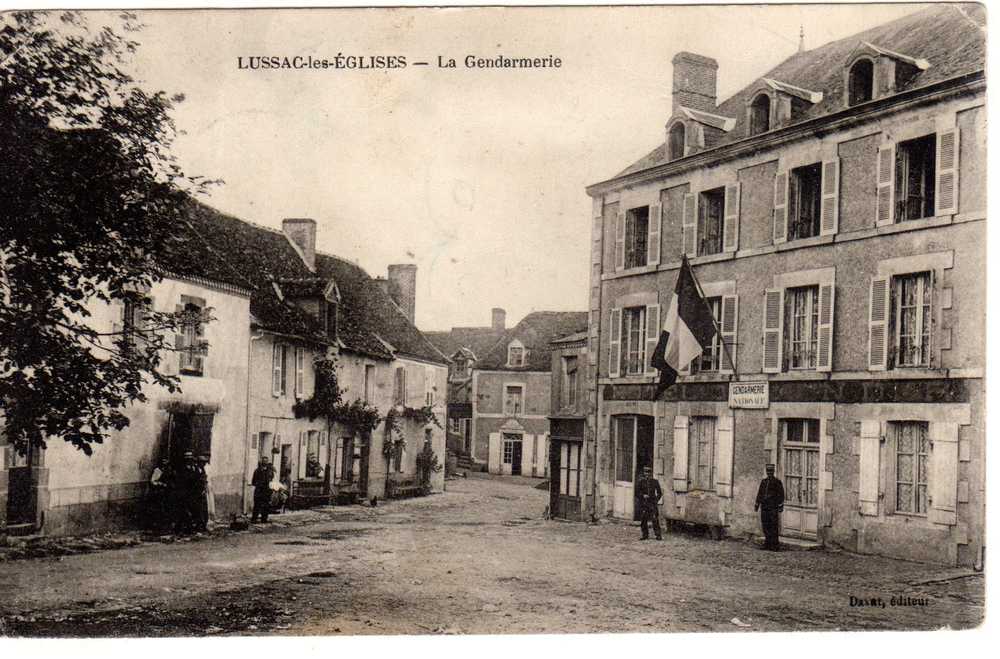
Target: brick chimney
(301, 231)
(499, 319)
(694, 82)
(403, 287)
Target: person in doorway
(771, 503)
(160, 483)
(202, 495)
(261, 481)
(185, 490)
(648, 494)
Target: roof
(478, 340)
(949, 38)
(575, 337)
(536, 331)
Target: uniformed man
(771, 503)
(261, 481)
(648, 494)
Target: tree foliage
(89, 197)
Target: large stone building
(833, 211)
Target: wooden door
(624, 430)
(21, 495)
(799, 472)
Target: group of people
(181, 495)
(770, 502)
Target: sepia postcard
(323, 322)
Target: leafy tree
(89, 196)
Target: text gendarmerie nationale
(383, 62)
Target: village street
(477, 559)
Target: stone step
(799, 544)
(20, 530)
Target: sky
(477, 176)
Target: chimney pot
(301, 231)
(694, 84)
(402, 285)
(499, 319)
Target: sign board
(749, 395)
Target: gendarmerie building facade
(834, 214)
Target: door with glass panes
(798, 464)
(633, 450)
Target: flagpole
(718, 330)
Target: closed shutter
(527, 455)
(830, 209)
(731, 226)
(429, 383)
(680, 454)
(652, 334)
(300, 367)
(885, 182)
(943, 485)
(201, 435)
(615, 344)
(303, 453)
(780, 207)
(543, 454)
(946, 197)
(495, 459)
(878, 323)
(276, 369)
(824, 342)
(620, 241)
(774, 307)
(728, 325)
(397, 396)
(689, 226)
(726, 445)
(653, 242)
(324, 452)
(871, 439)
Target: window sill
(800, 375)
(630, 379)
(714, 376)
(811, 241)
(712, 258)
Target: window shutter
(878, 323)
(198, 355)
(398, 394)
(830, 209)
(824, 343)
(620, 241)
(780, 207)
(527, 454)
(731, 224)
(300, 366)
(615, 344)
(652, 334)
(942, 487)
(276, 369)
(724, 456)
(494, 465)
(324, 451)
(689, 226)
(946, 195)
(774, 309)
(728, 325)
(303, 453)
(653, 241)
(870, 440)
(180, 343)
(885, 182)
(680, 454)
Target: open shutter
(946, 195)
(303, 453)
(878, 323)
(824, 342)
(527, 454)
(731, 225)
(680, 454)
(324, 452)
(830, 209)
(689, 226)
(942, 485)
(398, 393)
(180, 342)
(615, 345)
(885, 182)
(774, 309)
(276, 369)
(724, 468)
(300, 377)
(495, 466)
(653, 241)
(201, 345)
(652, 334)
(620, 241)
(780, 207)
(728, 324)
(869, 449)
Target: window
(191, 342)
(911, 319)
(569, 468)
(511, 448)
(515, 354)
(760, 114)
(624, 447)
(513, 399)
(915, 178)
(912, 448)
(429, 387)
(369, 384)
(636, 237)
(398, 449)
(399, 394)
(711, 357)
(267, 445)
(710, 221)
(801, 327)
(701, 452)
(454, 425)
(675, 141)
(314, 468)
(279, 355)
(804, 201)
(569, 381)
(860, 82)
(300, 372)
(331, 319)
(345, 460)
(800, 461)
(634, 340)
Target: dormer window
(515, 354)
(760, 114)
(676, 141)
(861, 82)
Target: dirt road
(476, 559)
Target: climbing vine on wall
(328, 402)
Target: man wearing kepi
(648, 495)
(261, 481)
(771, 503)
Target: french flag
(688, 328)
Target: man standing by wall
(771, 503)
(648, 494)
(261, 481)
